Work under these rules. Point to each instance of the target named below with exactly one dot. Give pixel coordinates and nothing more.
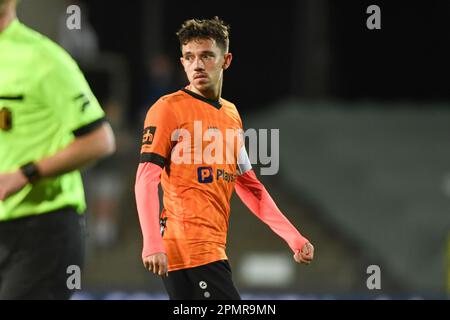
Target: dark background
(406, 59)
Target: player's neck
(7, 15)
(213, 94)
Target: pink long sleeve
(146, 190)
(255, 196)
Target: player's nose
(198, 64)
(199, 68)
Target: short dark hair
(205, 29)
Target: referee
(50, 126)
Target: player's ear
(227, 60)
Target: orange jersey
(182, 133)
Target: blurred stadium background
(364, 123)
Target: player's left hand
(306, 255)
(10, 183)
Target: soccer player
(186, 244)
(50, 125)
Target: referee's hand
(306, 255)
(157, 263)
(10, 183)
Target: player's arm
(154, 256)
(255, 196)
(155, 152)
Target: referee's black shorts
(212, 281)
(35, 252)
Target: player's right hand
(156, 263)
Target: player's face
(204, 62)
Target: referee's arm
(84, 150)
(92, 145)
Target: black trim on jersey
(216, 104)
(89, 127)
(153, 158)
(18, 97)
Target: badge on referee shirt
(5, 119)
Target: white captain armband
(244, 164)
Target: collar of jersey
(216, 104)
(10, 28)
